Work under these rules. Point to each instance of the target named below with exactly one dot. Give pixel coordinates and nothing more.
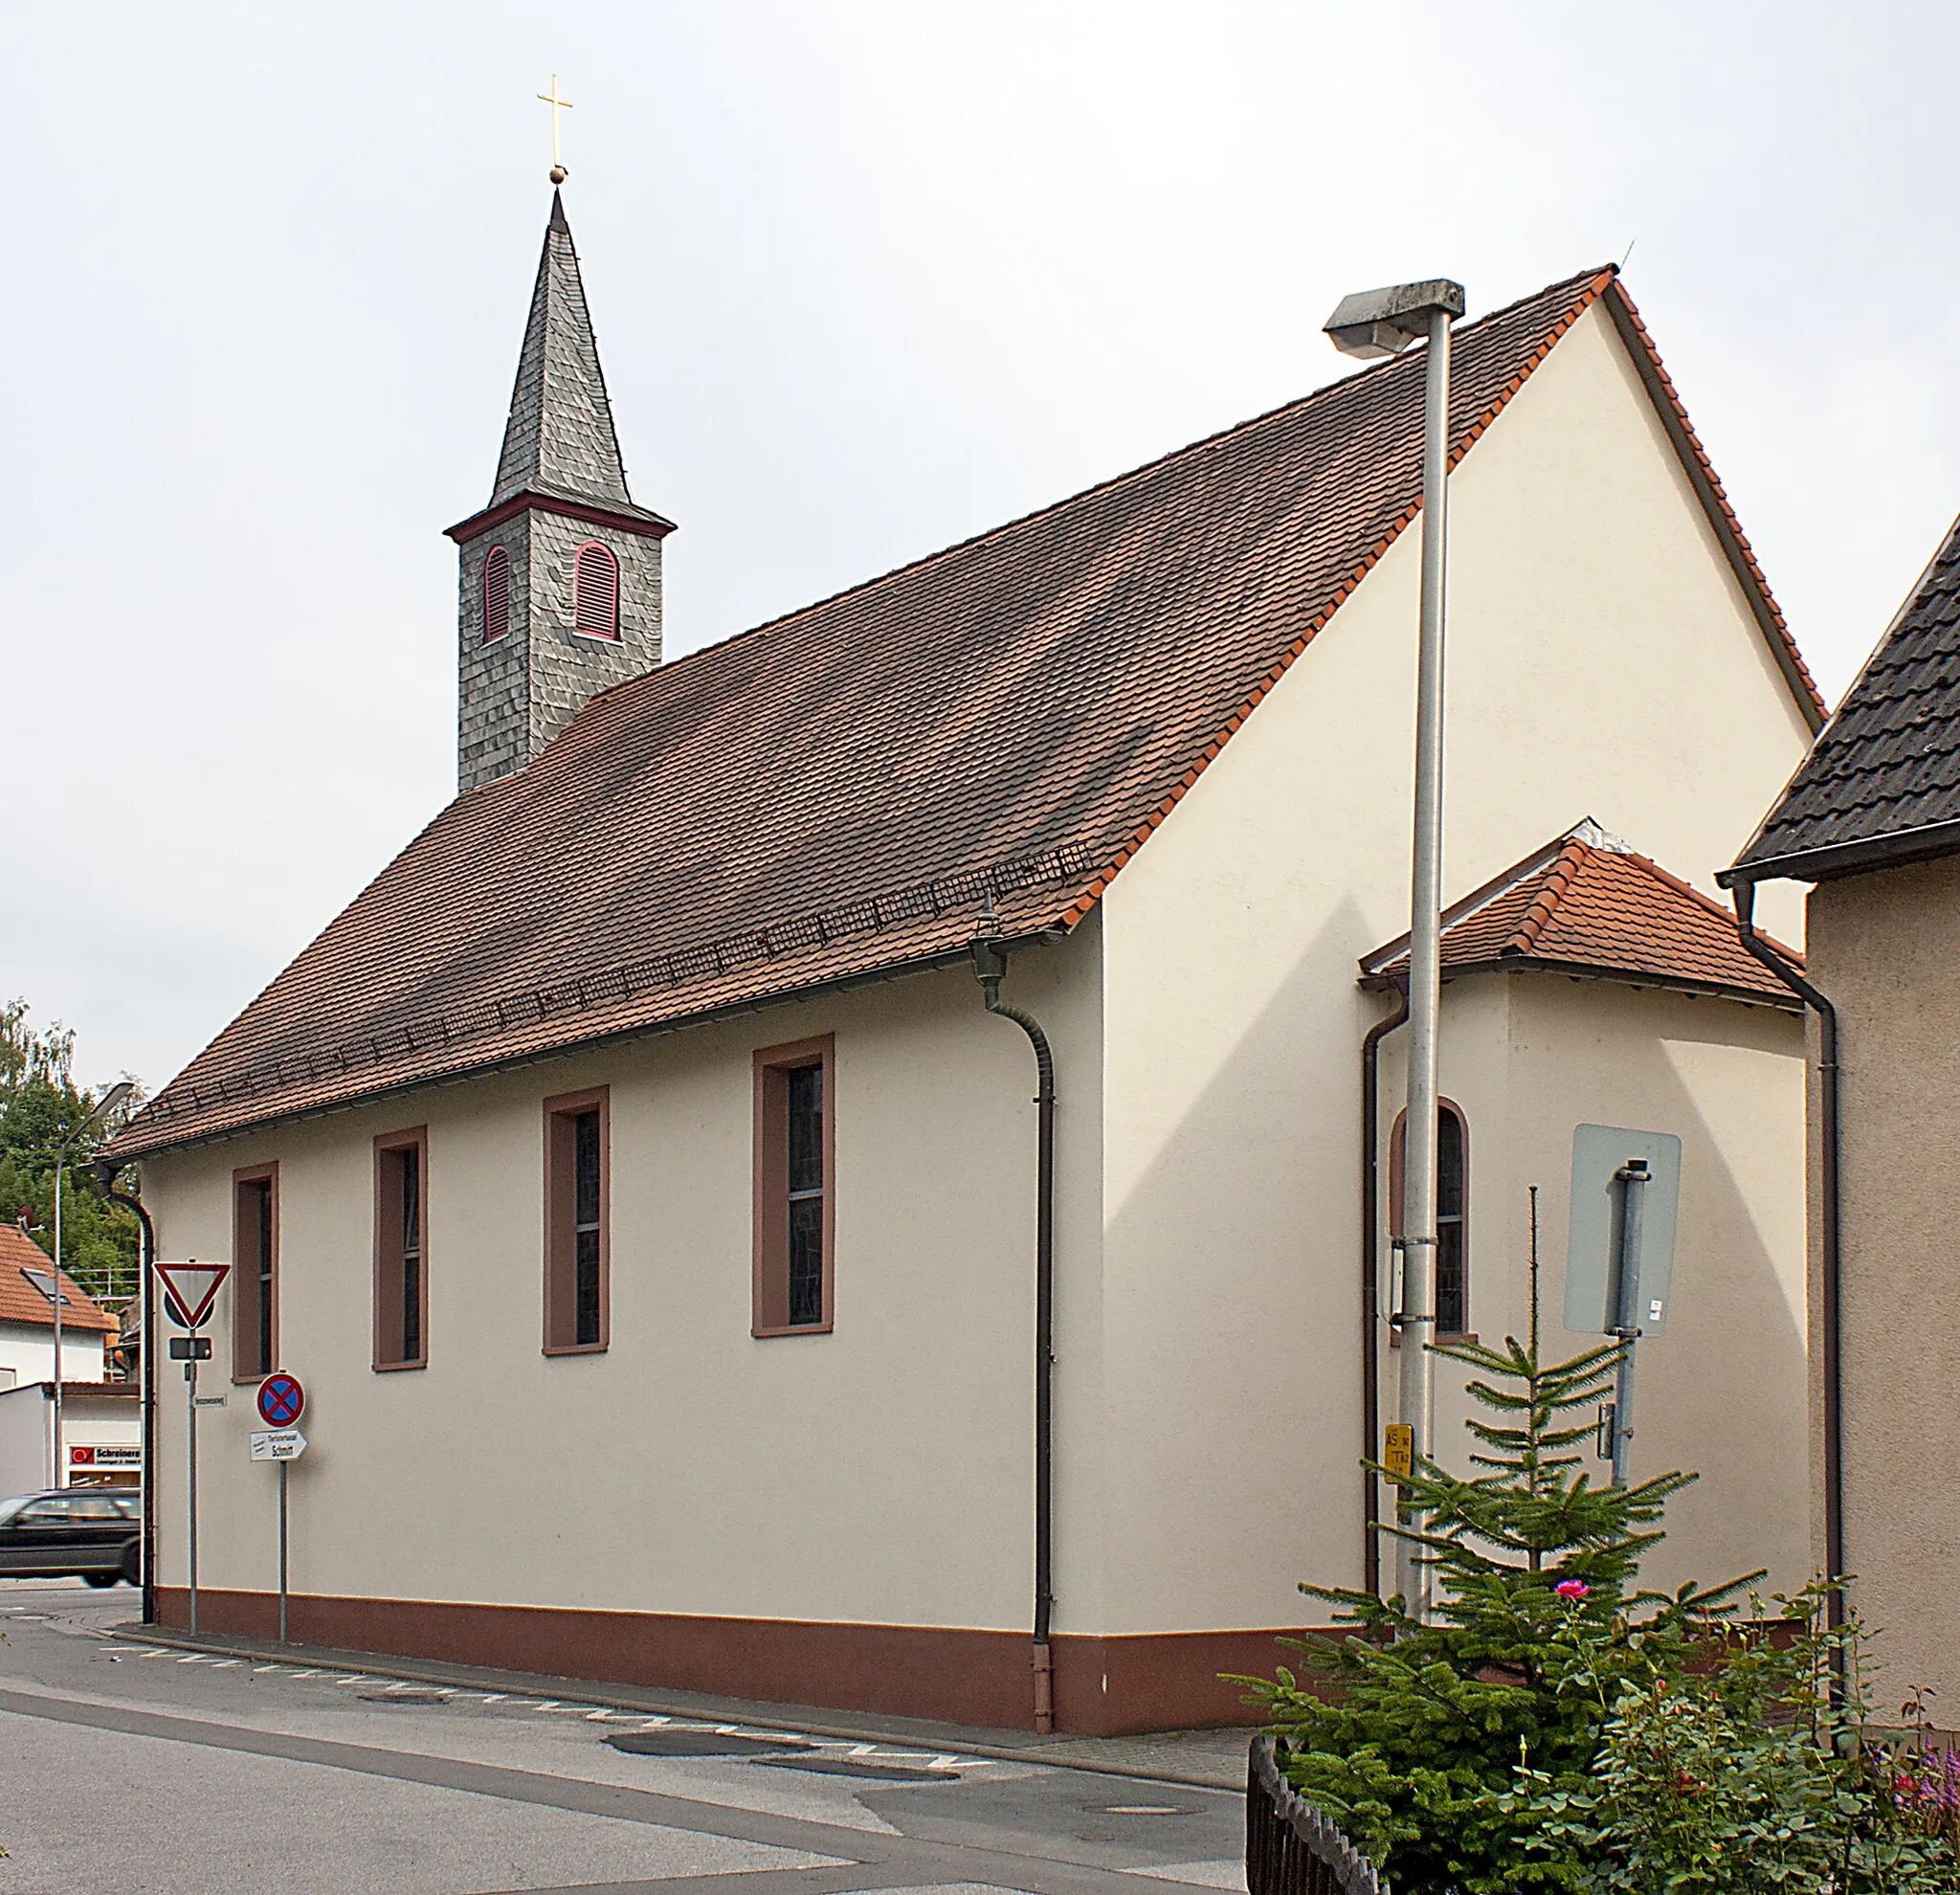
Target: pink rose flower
(1571, 1589)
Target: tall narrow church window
(496, 594)
(577, 1177)
(796, 1217)
(1452, 1211)
(401, 1250)
(255, 1273)
(596, 591)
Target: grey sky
(868, 275)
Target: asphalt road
(142, 1770)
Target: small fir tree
(1423, 1728)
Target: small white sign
(278, 1444)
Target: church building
(856, 1166)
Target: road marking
(797, 1742)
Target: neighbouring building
(641, 1183)
(101, 1442)
(1872, 822)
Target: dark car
(91, 1533)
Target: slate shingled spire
(560, 438)
(561, 572)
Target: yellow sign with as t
(1398, 1450)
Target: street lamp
(1370, 326)
(96, 1113)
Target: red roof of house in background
(840, 793)
(20, 1302)
(1586, 905)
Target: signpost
(190, 1289)
(281, 1402)
(1620, 1253)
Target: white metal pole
(1425, 972)
(282, 1551)
(57, 1478)
(191, 1465)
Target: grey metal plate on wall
(1599, 1152)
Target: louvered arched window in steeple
(596, 591)
(496, 594)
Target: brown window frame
(770, 1269)
(561, 1254)
(1398, 1162)
(390, 1276)
(250, 1320)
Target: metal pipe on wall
(1829, 1236)
(107, 1170)
(1370, 1287)
(990, 964)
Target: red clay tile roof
(20, 1302)
(838, 792)
(1584, 904)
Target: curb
(629, 1698)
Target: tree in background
(40, 1105)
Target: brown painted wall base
(1103, 1686)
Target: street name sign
(278, 1444)
(190, 1289)
(281, 1400)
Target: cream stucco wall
(880, 1473)
(1528, 1057)
(1603, 661)
(1883, 948)
(28, 1348)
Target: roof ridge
(1559, 876)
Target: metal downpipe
(107, 1170)
(1371, 1288)
(989, 962)
(1829, 1236)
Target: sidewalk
(1200, 1759)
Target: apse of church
(560, 573)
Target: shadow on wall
(1724, 1392)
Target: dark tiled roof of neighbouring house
(1587, 906)
(1882, 782)
(838, 793)
(21, 1301)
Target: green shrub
(1415, 1748)
(1555, 1727)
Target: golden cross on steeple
(557, 105)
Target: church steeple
(561, 572)
(560, 438)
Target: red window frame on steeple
(496, 594)
(595, 590)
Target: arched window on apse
(1452, 1210)
(596, 591)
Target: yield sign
(190, 1289)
